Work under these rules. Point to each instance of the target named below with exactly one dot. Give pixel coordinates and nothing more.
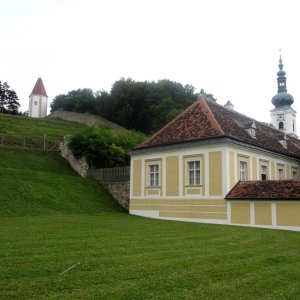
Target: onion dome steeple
(282, 98)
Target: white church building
(38, 101)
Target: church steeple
(281, 79)
(282, 98)
(38, 100)
(283, 116)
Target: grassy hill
(15, 128)
(85, 118)
(35, 182)
(62, 237)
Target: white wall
(37, 106)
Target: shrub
(104, 148)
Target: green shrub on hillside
(104, 148)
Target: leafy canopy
(142, 106)
(9, 102)
(104, 148)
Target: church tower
(38, 100)
(283, 116)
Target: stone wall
(120, 191)
(81, 166)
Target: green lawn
(127, 257)
(16, 127)
(34, 160)
(52, 220)
(36, 182)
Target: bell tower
(283, 116)
(38, 101)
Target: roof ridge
(234, 111)
(262, 123)
(169, 123)
(212, 117)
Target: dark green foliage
(142, 106)
(81, 100)
(9, 102)
(104, 148)
(146, 106)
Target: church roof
(206, 120)
(39, 88)
(265, 190)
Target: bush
(104, 148)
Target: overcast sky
(229, 48)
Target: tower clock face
(280, 117)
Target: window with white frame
(243, 171)
(280, 174)
(264, 172)
(194, 172)
(154, 175)
(253, 132)
(295, 175)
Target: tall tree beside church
(140, 105)
(146, 106)
(9, 102)
(81, 100)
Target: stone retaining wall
(81, 166)
(119, 190)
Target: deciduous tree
(9, 102)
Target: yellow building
(185, 170)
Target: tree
(140, 105)
(81, 100)
(9, 102)
(104, 148)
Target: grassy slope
(34, 182)
(23, 126)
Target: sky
(229, 48)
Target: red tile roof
(265, 190)
(208, 120)
(39, 88)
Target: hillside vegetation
(35, 182)
(84, 118)
(53, 128)
(140, 105)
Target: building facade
(38, 101)
(186, 170)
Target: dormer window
(252, 130)
(283, 142)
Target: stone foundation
(120, 191)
